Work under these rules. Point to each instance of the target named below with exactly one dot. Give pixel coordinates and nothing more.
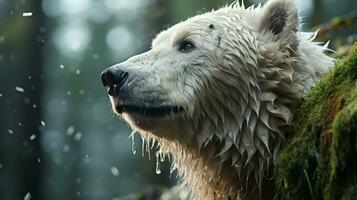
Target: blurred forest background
(58, 136)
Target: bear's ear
(280, 17)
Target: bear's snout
(114, 79)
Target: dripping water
(172, 169)
(158, 160)
(132, 135)
(142, 146)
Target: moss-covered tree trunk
(320, 159)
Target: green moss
(318, 161)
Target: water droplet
(115, 171)
(62, 66)
(43, 123)
(158, 170)
(10, 131)
(78, 71)
(132, 135)
(173, 168)
(142, 146)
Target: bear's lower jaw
(149, 112)
(144, 110)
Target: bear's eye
(186, 46)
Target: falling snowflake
(86, 158)
(70, 130)
(19, 89)
(115, 171)
(10, 131)
(27, 196)
(43, 123)
(32, 137)
(62, 66)
(27, 100)
(77, 136)
(78, 71)
(27, 14)
(66, 148)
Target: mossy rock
(320, 159)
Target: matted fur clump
(216, 92)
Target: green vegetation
(320, 159)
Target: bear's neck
(212, 176)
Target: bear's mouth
(149, 111)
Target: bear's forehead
(223, 18)
(196, 23)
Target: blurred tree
(21, 52)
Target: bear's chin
(164, 127)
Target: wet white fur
(238, 88)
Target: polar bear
(217, 91)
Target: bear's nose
(114, 79)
